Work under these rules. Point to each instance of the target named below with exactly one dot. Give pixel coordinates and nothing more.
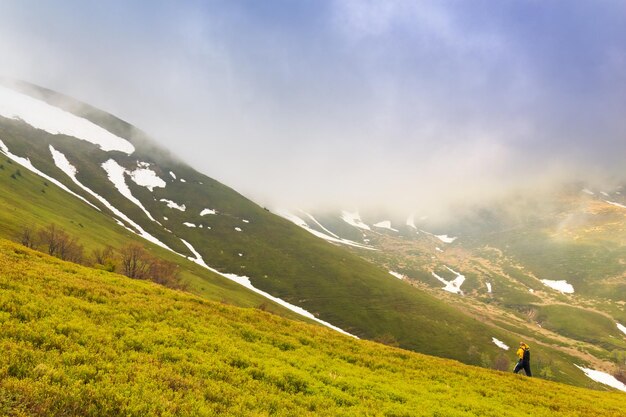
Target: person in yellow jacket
(523, 353)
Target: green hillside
(335, 285)
(80, 341)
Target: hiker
(524, 359)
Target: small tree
(49, 237)
(104, 258)
(27, 237)
(135, 261)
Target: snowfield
(208, 211)
(173, 205)
(499, 343)
(146, 177)
(354, 219)
(385, 224)
(603, 378)
(560, 285)
(41, 115)
(621, 328)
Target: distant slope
(78, 341)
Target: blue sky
(402, 103)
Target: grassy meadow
(80, 341)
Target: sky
(406, 105)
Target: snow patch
(385, 224)
(173, 205)
(488, 287)
(320, 225)
(560, 285)
(172, 175)
(616, 204)
(438, 249)
(146, 177)
(410, 221)
(238, 229)
(604, 193)
(622, 328)
(208, 211)
(453, 286)
(397, 275)
(189, 224)
(41, 115)
(300, 222)
(588, 191)
(25, 162)
(115, 173)
(245, 221)
(443, 238)
(499, 343)
(354, 219)
(603, 378)
(182, 180)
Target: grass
(79, 341)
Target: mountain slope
(125, 177)
(87, 342)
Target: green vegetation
(80, 341)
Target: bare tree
(135, 261)
(27, 237)
(49, 237)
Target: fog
(398, 105)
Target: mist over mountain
(397, 105)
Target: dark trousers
(523, 365)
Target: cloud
(397, 103)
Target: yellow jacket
(522, 348)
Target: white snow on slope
(300, 222)
(115, 173)
(146, 177)
(443, 238)
(588, 191)
(385, 224)
(41, 115)
(238, 229)
(622, 328)
(560, 285)
(25, 162)
(604, 193)
(320, 224)
(64, 165)
(488, 286)
(189, 224)
(603, 378)
(173, 205)
(615, 204)
(173, 175)
(446, 238)
(499, 343)
(453, 286)
(410, 221)
(438, 249)
(208, 211)
(182, 180)
(397, 274)
(245, 281)
(354, 219)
